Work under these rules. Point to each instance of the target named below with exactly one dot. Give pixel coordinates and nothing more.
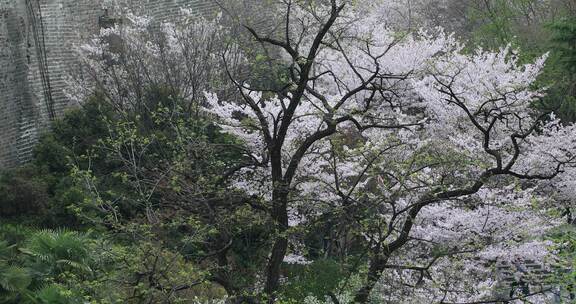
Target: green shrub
(55, 252)
(22, 193)
(30, 196)
(45, 266)
(317, 279)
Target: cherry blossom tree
(430, 153)
(138, 52)
(430, 157)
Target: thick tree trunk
(278, 253)
(280, 216)
(377, 266)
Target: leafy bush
(22, 193)
(55, 252)
(34, 265)
(317, 279)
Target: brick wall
(18, 105)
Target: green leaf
(15, 278)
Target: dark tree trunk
(280, 217)
(377, 266)
(278, 253)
